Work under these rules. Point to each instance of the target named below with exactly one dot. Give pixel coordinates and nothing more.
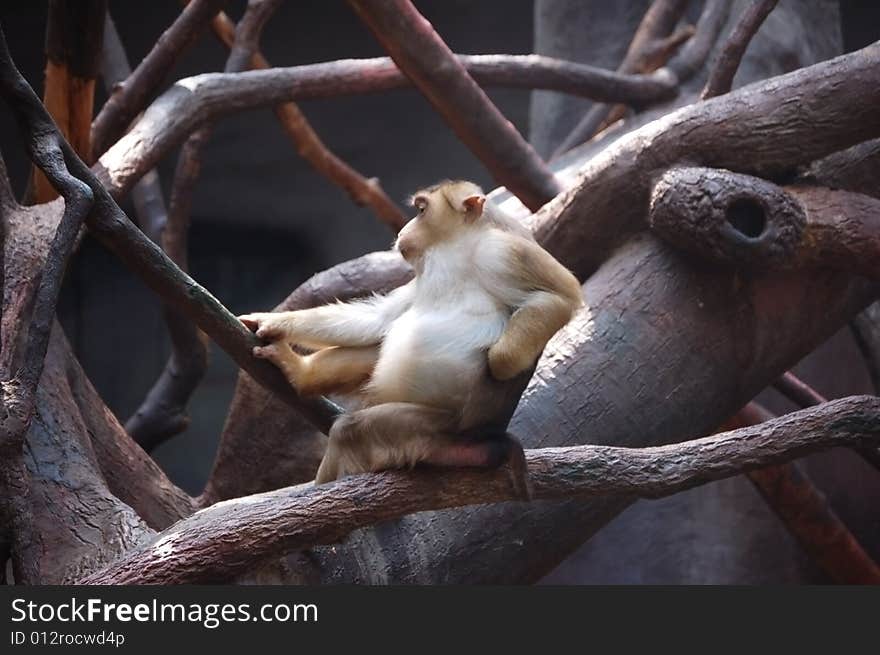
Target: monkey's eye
(420, 204)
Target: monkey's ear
(473, 207)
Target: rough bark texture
(225, 539)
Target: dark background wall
(263, 221)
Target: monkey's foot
(500, 451)
(277, 352)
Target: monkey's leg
(398, 435)
(328, 370)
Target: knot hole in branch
(747, 217)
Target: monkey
(439, 363)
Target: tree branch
(727, 63)
(163, 413)
(741, 220)
(424, 58)
(649, 49)
(192, 101)
(22, 369)
(233, 536)
(866, 330)
(130, 97)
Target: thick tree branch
(45, 146)
(423, 57)
(233, 536)
(23, 367)
(727, 63)
(742, 220)
(130, 97)
(807, 514)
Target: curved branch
(129, 97)
(650, 48)
(194, 100)
(721, 77)
(230, 537)
(746, 221)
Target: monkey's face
(442, 216)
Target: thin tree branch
(530, 71)
(146, 195)
(727, 63)
(807, 514)
(163, 412)
(423, 57)
(866, 331)
(686, 63)
(130, 97)
(233, 536)
(650, 48)
(802, 395)
(45, 146)
(798, 391)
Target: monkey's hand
(506, 362)
(270, 326)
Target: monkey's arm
(544, 294)
(357, 323)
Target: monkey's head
(445, 211)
